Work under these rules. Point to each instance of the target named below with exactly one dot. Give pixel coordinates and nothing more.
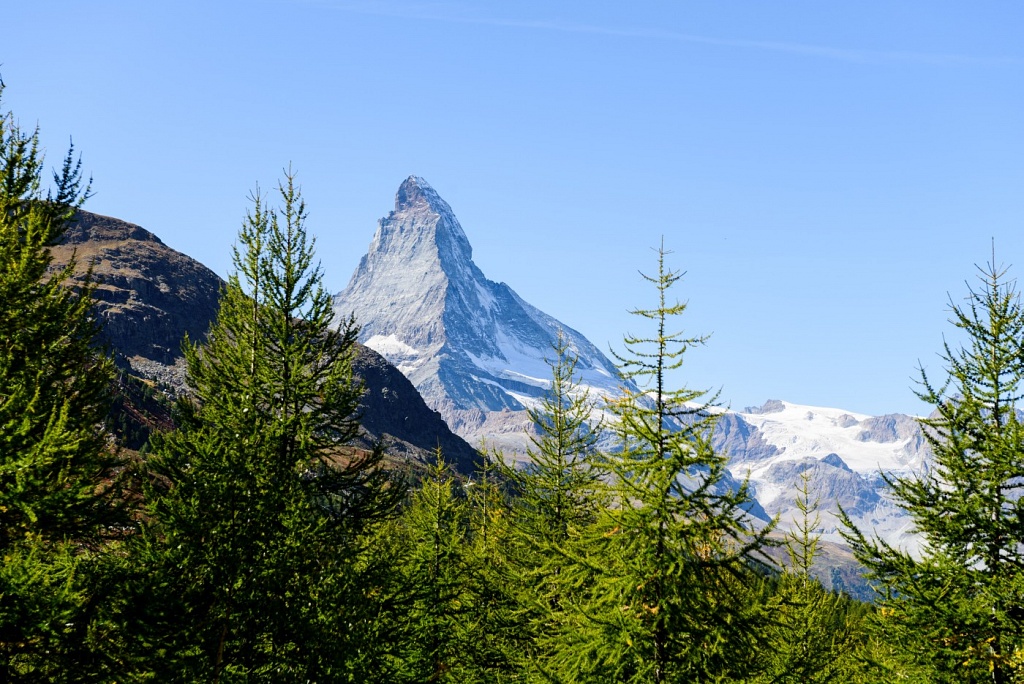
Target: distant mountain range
(843, 453)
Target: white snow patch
(486, 298)
(811, 431)
(404, 357)
(531, 365)
(766, 492)
(390, 344)
(528, 402)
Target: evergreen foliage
(56, 500)
(557, 497)
(560, 490)
(267, 550)
(438, 582)
(259, 520)
(502, 631)
(54, 383)
(958, 602)
(675, 552)
(456, 621)
(816, 633)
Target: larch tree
(434, 620)
(452, 609)
(502, 630)
(557, 496)
(677, 546)
(258, 517)
(958, 600)
(55, 503)
(817, 635)
(560, 490)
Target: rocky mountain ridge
(472, 347)
(150, 296)
(842, 453)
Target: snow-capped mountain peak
(844, 455)
(473, 348)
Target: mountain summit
(472, 347)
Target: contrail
(458, 14)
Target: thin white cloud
(462, 14)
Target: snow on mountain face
(842, 453)
(472, 347)
(866, 444)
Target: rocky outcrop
(740, 441)
(148, 296)
(892, 427)
(826, 482)
(770, 406)
(836, 460)
(392, 408)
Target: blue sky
(827, 174)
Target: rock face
(394, 411)
(477, 353)
(472, 347)
(150, 296)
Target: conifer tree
(816, 634)
(958, 601)
(453, 612)
(560, 490)
(259, 519)
(54, 384)
(677, 546)
(436, 618)
(501, 627)
(557, 497)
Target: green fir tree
(816, 634)
(56, 503)
(453, 612)
(956, 604)
(561, 489)
(502, 631)
(676, 550)
(436, 579)
(256, 551)
(558, 495)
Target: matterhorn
(477, 352)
